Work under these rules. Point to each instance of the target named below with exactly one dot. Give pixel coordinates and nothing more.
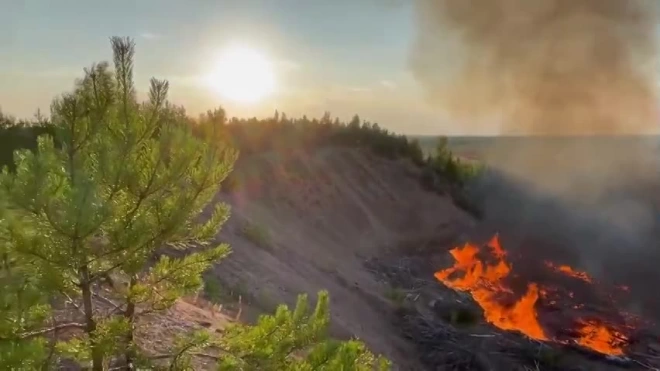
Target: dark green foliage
(212, 289)
(20, 134)
(445, 173)
(442, 173)
(281, 134)
(451, 167)
(16, 137)
(396, 295)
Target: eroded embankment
(308, 221)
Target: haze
(345, 57)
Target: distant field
(475, 147)
(472, 147)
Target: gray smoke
(541, 66)
(550, 69)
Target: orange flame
(601, 339)
(484, 282)
(567, 270)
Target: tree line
(442, 171)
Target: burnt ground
(450, 334)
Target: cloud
(49, 73)
(388, 84)
(149, 35)
(358, 89)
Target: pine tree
(125, 180)
(23, 308)
(294, 340)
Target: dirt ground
(305, 222)
(340, 220)
(361, 227)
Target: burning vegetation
(486, 274)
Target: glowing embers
(600, 338)
(567, 270)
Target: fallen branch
(116, 308)
(648, 367)
(197, 354)
(72, 302)
(32, 334)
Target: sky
(341, 56)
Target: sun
(243, 75)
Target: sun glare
(243, 75)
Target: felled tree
(124, 180)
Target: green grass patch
(257, 234)
(396, 295)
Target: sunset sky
(342, 56)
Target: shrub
(396, 295)
(295, 340)
(257, 234)
(213, 289)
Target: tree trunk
(90, 323)
(130, 317)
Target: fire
(567, 270)
(484, 280)
(601, 339)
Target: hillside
(364, 228)
(325, 213)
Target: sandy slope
(325, 214)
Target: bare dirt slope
(304, 222)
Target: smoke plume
(558, 67)
(548, 68)
(553, 68)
